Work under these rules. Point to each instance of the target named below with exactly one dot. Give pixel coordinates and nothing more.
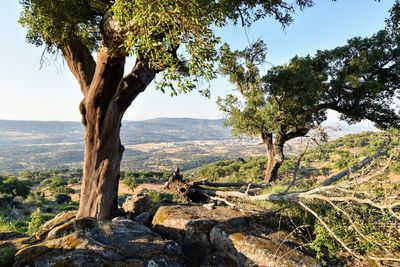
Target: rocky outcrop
(244, 243)
(202, 237)
(137, 204)
(190, 225)
(228, 237)
(89, 242)
(10, 243)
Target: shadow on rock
(228, 237)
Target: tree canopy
(360, 80)
(176, 37)
(11, 186)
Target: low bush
(35, 222)
(7, 254)
(62, 198)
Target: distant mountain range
(155, 143)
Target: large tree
(360, 80)
(170, 37)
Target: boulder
(227, 237)
(188, 224)
(249, 246)
(135, 205)
(59, 220)
(89, 242)
(143, 218)
(190, 227)
(10, 242)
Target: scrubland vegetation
(33, 197)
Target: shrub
(131, 182)
(159, 196)
(20, 226)
(62, 198)
(6, 226)
(36, 199)
(7, 254)
(62, 190)
(395, 168)
(35, 222)
(73, 181)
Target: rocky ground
(161, 234)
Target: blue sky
(51, 93)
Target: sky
(28, 92)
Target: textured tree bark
(103, 149)
(274, 155)
(107, 95)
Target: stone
(59, 220)
(188, 224)
(190, 227)
(247, 245)
(227, 237)
(89, 242)
(143, 218)
(134, 205)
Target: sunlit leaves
(360, 80)
(176, 37)
(52, 23)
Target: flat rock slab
(190, 225)
(249, 246)
(235, 238)
(89, 242)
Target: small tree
(11, 186)
(360, 80)
(171, 37)
(35, 222)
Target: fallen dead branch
(210, 184)
(382, 151)
(344, 194)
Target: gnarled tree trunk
(275, 156)
(107, 95)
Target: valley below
(157, 144)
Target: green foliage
(20, 226)
(68, 206)
(131, 182)
(176, 37)
(324, 245)
(35, 222)
(157, 196)
(133, 178)
(62, 198)
(345, 161)
(73, 181)
(7, 254)
(57, 185)
(238, 170)
(6, 226)
(62, 190)
(395, 168)
(11, 186)
(36, 199)
(292, 99)
(53, 24)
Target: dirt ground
(123, 189)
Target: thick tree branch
(207, 183)
(293, 134)
(108, 75)
(81, 63)
(134, 83)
